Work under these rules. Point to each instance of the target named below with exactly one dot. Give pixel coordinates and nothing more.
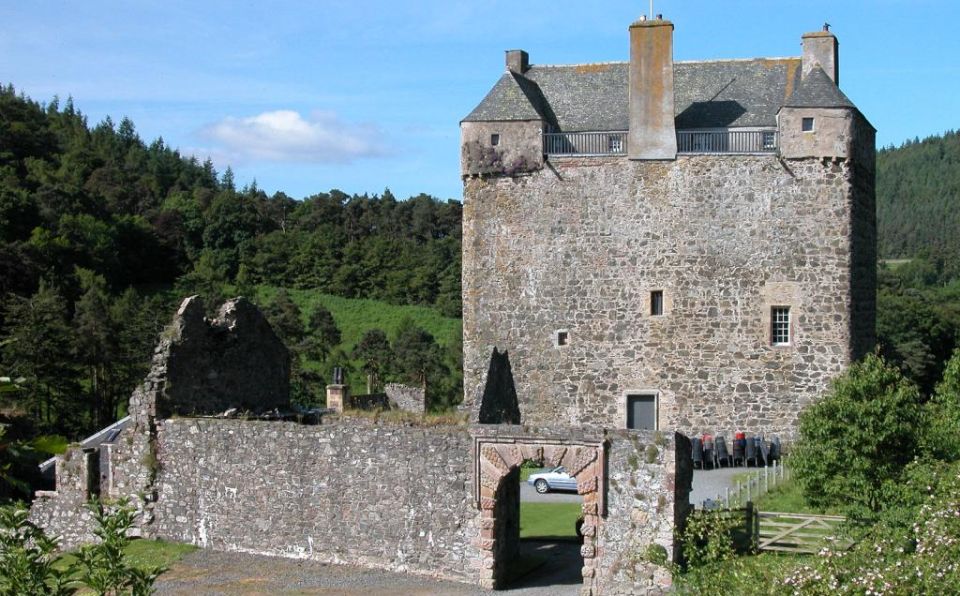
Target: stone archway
(497, 461)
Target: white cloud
(286, 136)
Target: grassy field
(354, 316)
(787, 498)
(549, 521)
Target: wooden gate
(799, 532)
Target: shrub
(857, 438)
(27, 555)
(941, 437)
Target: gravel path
(708, 484)
(209, 572)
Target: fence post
(766, 480)
(727, 499)
(748, 490)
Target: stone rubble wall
(392, 497)
(579, 247)
(406, 398)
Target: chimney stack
(821, 48)
(518, 61)
(652, 133)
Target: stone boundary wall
(393, 497)
(429, 500)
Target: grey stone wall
(579, 247)
(406, 398)
(649, 482)
(520, 148)
(394, 497)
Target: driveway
(528, 494)
(212, 573)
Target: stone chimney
(518, 61)
(820, 47)
(652, 131)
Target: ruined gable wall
(580, 245)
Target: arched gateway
(496, 491)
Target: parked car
(555, 479)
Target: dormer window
(806, 125)
(495, 139)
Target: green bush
(941, 437)
(858, 438)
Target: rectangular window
(769, 139)
(656, 302)
(563, 337)
(780, 325)
(807, 125)
(615, 144)
(642, 411)
(495, 139)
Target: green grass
(50, 444)
(549, 521)
(788, 498)
(355, 316)
(144, 554)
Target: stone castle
(664, 245)
(647, 246)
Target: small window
(563, 338)
(642, 411)
(807, 125)
(495, 139)
(780, 325)
(769, 139)
(656, 302)
(615, 144)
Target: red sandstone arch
(496, 458)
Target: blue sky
(362, 95)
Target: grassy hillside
(354, 316)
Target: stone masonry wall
(392, 497)
(579, 247)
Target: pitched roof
(708, 94)
(817, 90)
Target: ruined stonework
(199, 366)
(406, 398)
(416, 497)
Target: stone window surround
(495, 139)
(807, 124)
(561, 338)
(625, 399)
(657, 310)
(666, 303)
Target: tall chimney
(820, 48)
(652, 131)
(518, 61)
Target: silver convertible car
(555, 479)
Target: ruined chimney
(652, 131)
(518, 61)
(820, 48)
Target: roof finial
(826, 26)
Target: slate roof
(817, 90)
(707, 94)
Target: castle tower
(683, 245)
